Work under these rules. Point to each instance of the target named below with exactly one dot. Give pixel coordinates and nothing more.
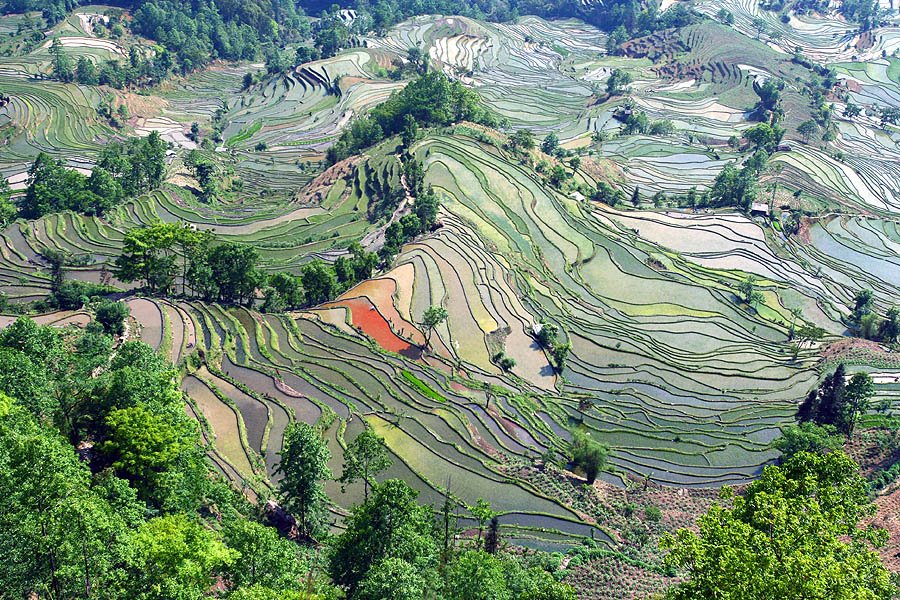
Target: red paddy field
(366, 317)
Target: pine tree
(831, 402)
(492, 539)
(809, 408)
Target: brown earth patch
(314, 192)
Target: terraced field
(33, 121)
(686, 384)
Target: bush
(72, 295)
(111, 315)
(652, 514)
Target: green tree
(560, 353)
(319, 282)
(86, 72)
(234, 269)
(521, 138)
(304, 466)
(147, 255)
(588, 455)
(734, 187)
(636, 122)
(748, 291)
(32, 357)
(175, 558)
(434, 316)
(52, 187)
(390, 524)
(483, 513)
(138, 164)
(142, 443)
(58, 536)
(759, 24)
(475, 575)
(262, 557)
(506, 363)
(410, 131)
(431, 100)
(8, 209)
(272, 300)
(392, 579)
(768, 108)
(807, 437)
(617, 37)
(852, 111)
(763, 137)
(288, 289)
(365, 457)
(550, 143)
(663, 128)
(411, 226)
(111, 315)
(62, 64)
(426, 208)
(205, 171)
(807, 129)
(618, 81)
(863, 304)
(795, 533)
(193, 246)
(857, 395)
(557, 175)
(868, 327)
(261, 592)
(825, 405)
(107, 189)
(890, 327)
(537, 584)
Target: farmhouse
(759, 209)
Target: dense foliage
(194, 34)
(865, 322)
(794, 533)
(431, 100)
(392, 549)
(123, 170)
(136, 511)
(588, 455)
(837, 401)
(303, 469)
(808, 437)
(864, 12)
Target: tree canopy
(388, 525)
(431, 100)
(304, 467)
(588, 455)
(366, 456)
(123, 170)
(795, 533)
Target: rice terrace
(450, 299)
